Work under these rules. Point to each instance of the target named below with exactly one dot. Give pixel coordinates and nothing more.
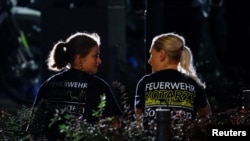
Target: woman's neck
(171, 66)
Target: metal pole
(163, 131)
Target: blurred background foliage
(217, 31)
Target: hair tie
(65, 46)
(182, 47)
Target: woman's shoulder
(99, 80)
(145, 77)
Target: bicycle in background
(20, 52)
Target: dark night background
(217, 31)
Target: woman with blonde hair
(173, 83)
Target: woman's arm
(205, 112)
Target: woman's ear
(163, 55)
(79, 59)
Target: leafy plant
(106, 129)
(13, 126)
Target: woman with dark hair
(75, 89)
